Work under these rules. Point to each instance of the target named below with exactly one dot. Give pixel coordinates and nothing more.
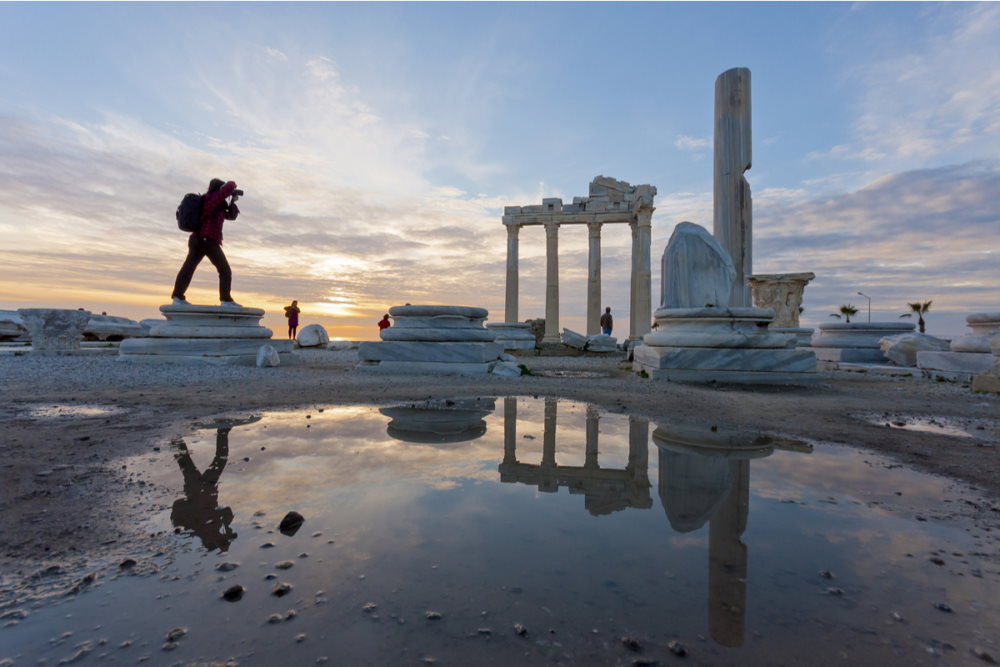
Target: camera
(238, 193)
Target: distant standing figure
(292, 313)
(607, 322)
(207, 241)
(384, 323)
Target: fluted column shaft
(549, 433)
(551, 283)
(593, 419)
(594, 280)
(510, 310)
(510, 429)
(643, 270)
(633, 278)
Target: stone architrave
(439, 340)
(696, 270)
(205, 334)
(53, 329)
(733, 157)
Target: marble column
(510, 429)
(643, 270)
(510, 311)
(593, 420)
(632, 336)
(594, 280)
(732, 203)
(551, 283)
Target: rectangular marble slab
(851, 355)
(423, 368)
(958, 366)
(204, 347)
(726, 359)
(734, 377)
(419, 351)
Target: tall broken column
(732, 210)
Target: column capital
(551, 228)
(644, 216)
(595, 229)
(512, 230)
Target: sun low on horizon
(378, 144)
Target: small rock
(233, 593)
(631, 643)
(290, 614)
(169, 646)
(267, 545)
(485, 631)
(937, 561)
(281, 589)
(369, 607)
(677, 648)
(291, 523)
(432, 615)
(269, 576)
(274, 618)
(301, 637)
(826, 574)
(833, 590)
(520, 630)
(941, 606)
(176, 634)
(127, 563)
(227, 566)
(284, 565)
(896, 616)
(983, 655)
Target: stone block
(696, 271)
(574, 339)
(312, 335)
(267, 357)
(419, 351)
(53, 328)
(722, 359)
(851, 355)
(903, 348)
(957, 366)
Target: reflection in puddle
(457, 508)
(69, 411)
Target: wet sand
(66, 502)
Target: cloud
(686, 143)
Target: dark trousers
(198, 248)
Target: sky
(378, 143)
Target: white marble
(341, 345)
(423, 367)
(513, 335)
(782, 293)
(697, 272)
(201, 321)
(732, 203)
(429, 351)
(727, 359)
(104, 327)
(11, 325)
(602, 343)
(858, 334)
(849, 355)
(573, 339)
(505, 369)
(312, 335)
(267, 357)
(983, 325)
(903, 348)
(989, 382)
(803, 335)
(53, 328)
(448, 334)
(957, 366)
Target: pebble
(281, 589)
(285, 564)
(941, 606)
(983, 655)
(432, 615)
(274, 618)
(301, 637)
(127, 563)
(227, 566)
(267, 545)
(677, 648)
(631, 643)
(233, 593)
(520, 630)
(833, 590)
(826, 574)
(176, 634)
(369, 607)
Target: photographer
(207, 241)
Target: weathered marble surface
(850, 355)
(312, 335)
(513, 335)
(341, 345)
(983, 325)
(448, 334)
(11, 325)
(957, 366)
(429, 351)
(697, 272)
(198, 321)
(573, 339)
(782, 293)
(206, 347)
(858, 334)
(989, 382)
(602, 343)
(267, 357)
(105, 327)
(727, 359)
(903, 348)
(53, 328)
(803, 335)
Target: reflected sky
(581, 525)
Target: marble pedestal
(730, 345)
(855, 342)
(438, 340)
(513, 335)
(205, 334)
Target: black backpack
(189, 213)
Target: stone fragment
(291, 523)
(697, 271)
(233, 593)
(281, 590)
(903, 348)
(267, 357)
(312, 335)
(54, 329)
(574, 339)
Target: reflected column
(593, 421)
(548, 483)
(727, 560)
(510, 430)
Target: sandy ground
(66, 501)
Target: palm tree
(847, 311)
(920, 307)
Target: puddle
(529, 531)
(959, 427)
(69, 411)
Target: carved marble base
(855, 342)
(53, 328)
(513, 335)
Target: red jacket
(215, 210)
